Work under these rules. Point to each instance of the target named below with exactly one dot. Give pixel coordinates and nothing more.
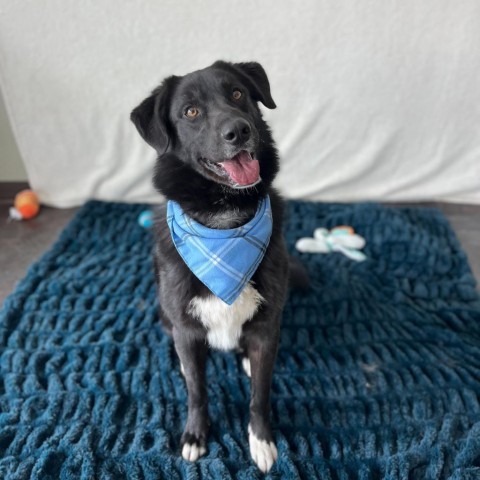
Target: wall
(377, 100)
(11, 164)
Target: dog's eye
(237, 95)
(191, 112)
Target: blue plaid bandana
(224, 260)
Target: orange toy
(26, 205)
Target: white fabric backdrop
(377, 100)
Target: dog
(216, 163)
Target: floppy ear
(151, 116)
(254, 76)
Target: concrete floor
(21, 243)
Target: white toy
(339, 239)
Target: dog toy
(339, 239)
(145, 219)
(26, 205)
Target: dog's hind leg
(298, 278)
(246, 366)
(242, 351)
(192, 351)
(167, 326)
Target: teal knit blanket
(377, 376)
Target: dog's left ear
(254, 76)
(151, 116)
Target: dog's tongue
(242, 168)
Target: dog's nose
(236, 131)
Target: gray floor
(23, 242)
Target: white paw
(246, 366)
(182, 369)
(192, 451)
(264, 453)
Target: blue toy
(145, 219)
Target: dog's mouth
(240, 171)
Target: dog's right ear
(151, 116)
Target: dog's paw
(193, 451)
(246, 366)
(264, 453)
(193, 447)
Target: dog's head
(210, 121)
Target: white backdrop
(376, 99)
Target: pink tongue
(242, 168)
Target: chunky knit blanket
(377, 377)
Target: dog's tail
(299, 278)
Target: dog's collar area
(224, 260)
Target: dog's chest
(224, 322)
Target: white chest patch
(224, 322)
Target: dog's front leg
(192, 352)
(261, 342)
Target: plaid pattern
(224, 260)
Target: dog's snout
(236, 131)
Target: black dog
(217, 161)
